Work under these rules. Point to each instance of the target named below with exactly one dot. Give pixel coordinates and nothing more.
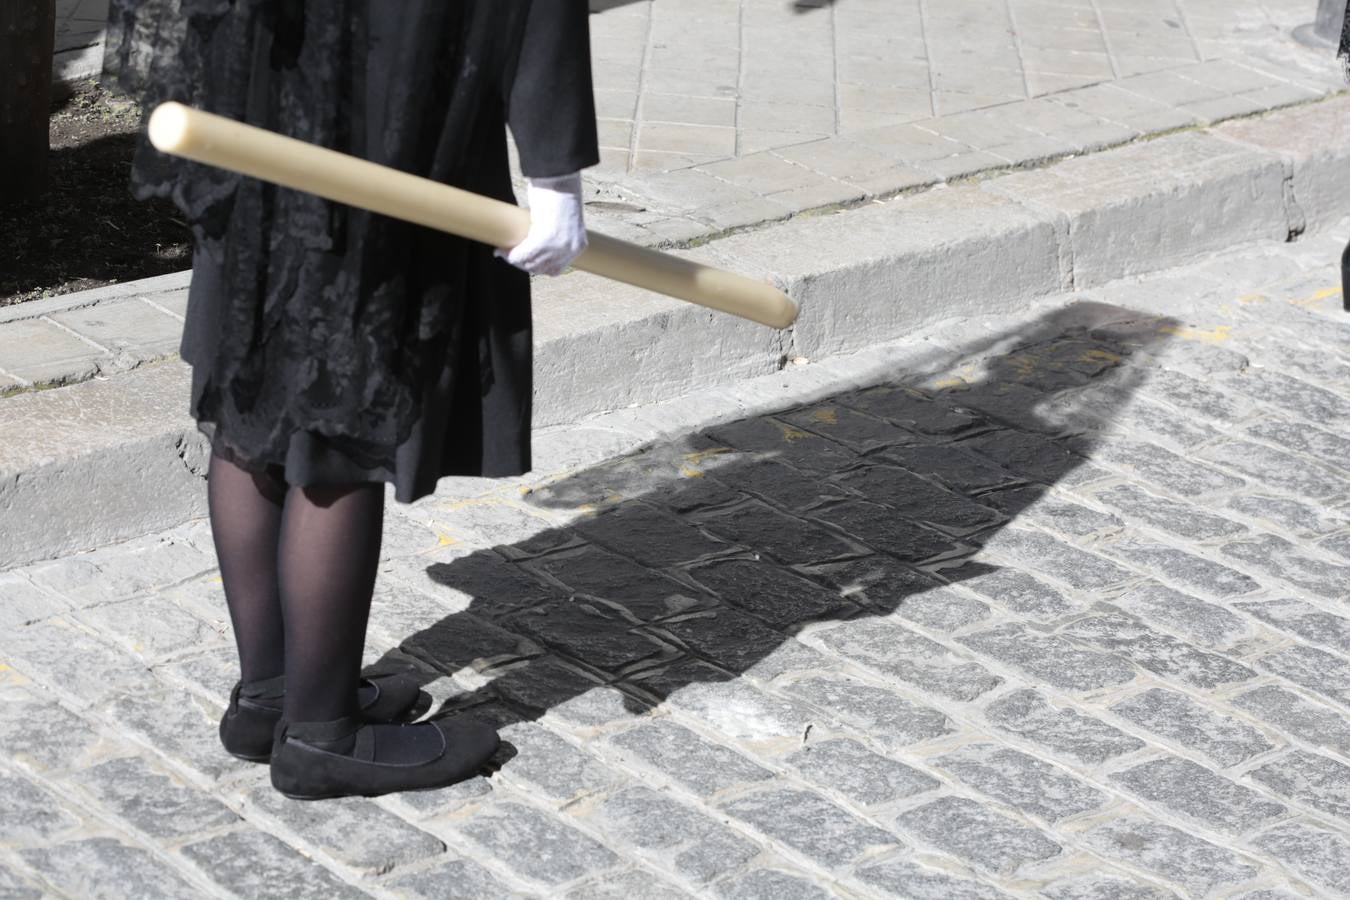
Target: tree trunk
(27, 42)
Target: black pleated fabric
(343, 345)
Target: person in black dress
(334, 350)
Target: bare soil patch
(87, 230)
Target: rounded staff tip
(168, 127)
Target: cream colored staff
(217, 141)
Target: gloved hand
(557, 227)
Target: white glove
(557, 227)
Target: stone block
(1173, 198)
(551, 768)
(1207, 624)
(770, 884)
(742, 712)
(1015, 591)
(33, 815)
(828, 835)
(581, 316)
(672, 752)
(354, 831)
(1292, 714)
(1309, 139)
(1159, 653)
(1041, 553)
(1281, 559)
(1179, 519)
(254, 863)
(941, 254)
(1309, 779)
(1176, 855)
(652, 538)
(127, 326)
(1161, 467)
(39, 352)
(743, 644)
(1060, 729)
(1021, 781)
(919, 500)
(100, 462)
(617, 584)
(1104, 887)
(1323, 857)
(1050, 659)
(882, 714)
(88, 867)
(1194, 792)
(1316, 670)
(673, 836)
(471, 882)
(848, 768)
(1177, 717)
(978, 836)
(1303, 620)
(1194, 573)
(536, 845)
(901, 878)
(633, 883)
(154, 803)
(787, 539)
(778, 597)
(900, 653)
(1284, 472)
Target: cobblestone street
(1062, 615)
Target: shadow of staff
(698, 561)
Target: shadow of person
(697, 563)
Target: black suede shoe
(348, 758)
(250, 721)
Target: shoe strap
(273, 689)
(320, 733)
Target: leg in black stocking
(329, 555)
(330, 551)
(245, 525)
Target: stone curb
(74, 462)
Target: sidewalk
(80, 26)
(1044, 605)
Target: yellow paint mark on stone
(1186, 333)
(697, 457)
(1324, 294)
(1249, 299)
(5, 668)
(792, 435)
(446, 540)
(690, 472)
(826, 416)
(1100, 356)
(1024, 366)
(947, 384)
(217, 580)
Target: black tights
(299, 567)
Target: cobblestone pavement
(1063, 616)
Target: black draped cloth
(343, 345)
(1345, 57)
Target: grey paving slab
(1104, 652)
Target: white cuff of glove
(557, 227)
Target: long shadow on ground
(707, 555)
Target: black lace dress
(343, 345)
